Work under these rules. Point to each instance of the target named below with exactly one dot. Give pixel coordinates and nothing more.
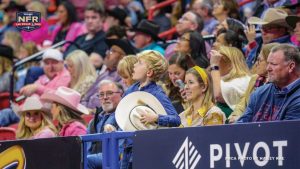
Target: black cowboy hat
(149, 28)
(292, 20)
(6, 51)
(124, 44)
(119, 14)
(14, 6)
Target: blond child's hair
(155, 61)
(126, 65)
(234, 56)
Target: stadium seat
(7, 133)
(4, 99)
(87, 118)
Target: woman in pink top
(35, 120)
(68, 28)
(67, 110)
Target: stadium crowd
(248, 72)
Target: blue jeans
(94, 161)
(8, 117)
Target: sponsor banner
(50, 153)
(248, 146)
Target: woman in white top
(230, 75)
(199, 93)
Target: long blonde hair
(25, 132)
(5, 65)
(208, 100)
(237, 60)
(67, 115)
(83, 68)
(155, 62)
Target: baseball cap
(53, 54)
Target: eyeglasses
(270, 29)
(101, 95)
(34, 114)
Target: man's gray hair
(290, 52)
(105, 82)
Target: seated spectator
(11, 12)
(150, 67)
(118, 49)
(125, 69)
(116, 32)
(178, 65)
(67, 28)
(280, 99)
(274, 29)
(38, 35)
(35, 120)
(226, 9)
(110, 94)
(261, 8)
(14, 40)
(294, 22)
(227, 37)
(83, 73)
(67, 110)
(26, 49)
(146, 36)
(191, 43)
(134, 10)
(93, 41)
(259, 78)
(147, 71)
(236, 26)
(230, 76)
(6, 56)
(199, 93)
(204, 8)
(55, 74)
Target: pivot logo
(28, 21)
(187, 156)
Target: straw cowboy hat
(292, 20)
(149, 28)
(67, 97)
(271, 16)
(34, 103)
(127, 113)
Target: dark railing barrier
(257, 145)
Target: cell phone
(180, 83)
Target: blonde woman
(230, 75)
(14, 40)
(83, 73)
(258, 79)
(35, 120)
(199, 93)
(125, 69)
(67, 110)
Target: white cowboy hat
(271, 16)
(127, 112)
(34, 103)
(67, 97)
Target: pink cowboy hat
(67, 97)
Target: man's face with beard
(110, 97)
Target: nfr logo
(28, 21)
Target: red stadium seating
(7, 133)
(4, 99)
